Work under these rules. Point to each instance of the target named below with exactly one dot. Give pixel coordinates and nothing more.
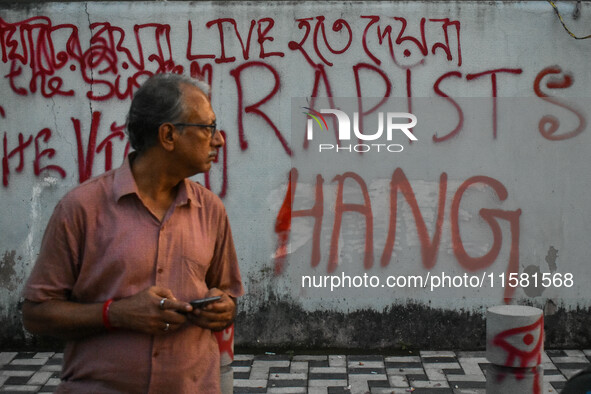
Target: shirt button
(160, 270)
(156, 354)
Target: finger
(214, 292)
(216, 316)
(204, 323)
(162, 292)
(222, 305)
(180, 306)
(174, 317)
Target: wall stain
(282, 325)
(8, 279)
(532, 290)
(551, 258)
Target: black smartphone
(200, 303)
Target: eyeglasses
(213, 126)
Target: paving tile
(366, 371)
(437, 353)
(365, 364)
(327, 376)
(277, 370)
(439, 360)
(272, 357)
(6, 357)
(299, 367)
(317, 390)
(365, 358)
(570, 360)
(437, 390)
(20, 389)
(327, 383)
(29, 361)
(309, 358)
(390, 390)
(433, 372)
(468, 391)
(286, 390)
(44, 355)
(328, 370)
(250, 383)
(392, 364)
(471, 354)
(404, 359)
(405, 371)
(575, 353)
(466, 378)
(40, 378)
(337, 361)
(398, 381)
(339, 390)
(468, 385)
(554, 378)
(288, 376)
(430, 384)
(569, 373)
(287, 383)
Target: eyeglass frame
(213, 126)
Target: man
(124, 253)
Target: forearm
(63, 319)
(154, 310)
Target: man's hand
(217, 315)
(146, 312)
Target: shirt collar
(124, 184)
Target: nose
(217, 140)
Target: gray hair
(157, 101)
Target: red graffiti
(254, 108)
(440, 93)
(225, 340)
(406, 45)
(286, 212)
(548, 125)
(37, 64)
(262, 36)
(493, 78)
(342, 207)
(86, 160)
(470, 77)
(224, 188)
(45, 136)
(489, 215)
(429, 246)
(519, 343)
(319, 28)
(29, 43)
(24, 143)
(19, 150)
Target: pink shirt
(102, 243)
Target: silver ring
(162, 302)
(167, 327)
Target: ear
(167, 136)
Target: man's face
(197, 148)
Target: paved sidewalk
(424, 372)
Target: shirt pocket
(192, 280)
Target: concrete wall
(489, 189)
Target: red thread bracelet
(106, 320)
